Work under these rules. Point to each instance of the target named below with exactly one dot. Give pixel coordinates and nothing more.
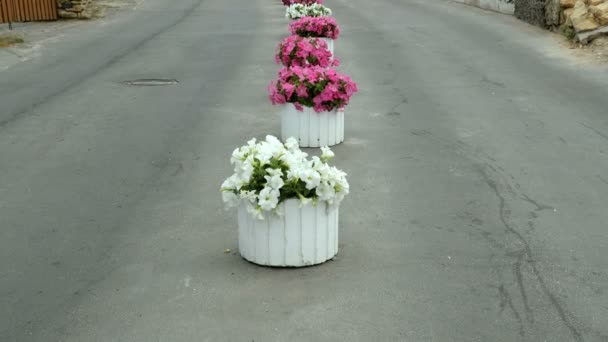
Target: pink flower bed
(303, 2)
(314, 86)
(325, 27)
(301, 51)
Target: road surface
(478, 162)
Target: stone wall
(585, 19)
(76, 9)
(531, 11)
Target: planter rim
(335, 110)
(281, 205)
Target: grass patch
(568, 32)
(9, 39)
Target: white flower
(296, 11)
(311, 177)
(251, 143)
(249, 196)
(237, 156)
(232, 183)
(275, 182)
(291, 144)
(324, 170)
(274, 172)
(255, 212)
(290, 169)
(293, 174)
(245, 170)
(325, 192)
(264, 154)
(295, 159)
(327, 154)
(274, 142)
(268, 199)
(230, 198)
(304, 201)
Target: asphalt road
(478, 162)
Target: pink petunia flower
(312, 86)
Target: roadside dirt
(36, 35)
(595, 52)
(7, 40)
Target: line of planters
(288, 203)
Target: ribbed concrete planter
(302, 237)
(310, 128)
(330, 44)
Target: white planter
(302, 237)
(310, 128)
(330, 45)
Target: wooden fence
(27, 10)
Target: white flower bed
(297, 11)
(269, 172)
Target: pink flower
(301, 91)
(303, 2)
(312, 86)
(288, 88)
(304, 51)
(325, 27)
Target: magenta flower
(303, 51)
(312, 86)
(318, 27)
(303, 2)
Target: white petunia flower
(252, 143)
(292, 144)
(325, 192)
(255, 212)
(293, 174)
(249, 196)
(274, 182)
(304, 201)
(237, 156)
(233, 182)
(264, 154)
(274, 172)
(297, 11)
(327, 154)
(245, 171)
(311, 177)
(290, 169)
(230, 198)
(268, 199)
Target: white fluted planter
(310, 128)
(302, 237)
(330, 45)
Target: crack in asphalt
(504, 215)
(601, 134)
(522, 289)
(539, 206)
(506, 300)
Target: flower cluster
(313, 86)
(297, 11)
(322, 27)
(303, 2)
(300, 51)
(269, 172)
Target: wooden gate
(27, 10)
